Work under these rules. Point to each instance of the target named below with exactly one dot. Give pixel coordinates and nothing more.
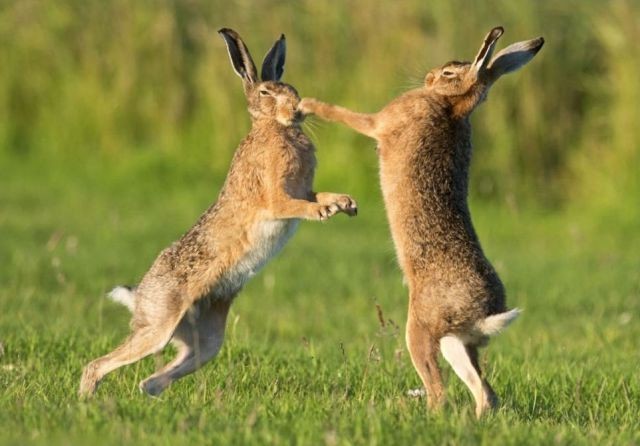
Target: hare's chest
(394, 179)
(266, 240)
(270, 237)
(300, 170)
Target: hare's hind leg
(199, 339)
(145, 340)
(423, 349)
(464, 361)
(142, 342)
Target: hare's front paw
(325, 211)
(307, 106)
(347, 205)
(333, 204)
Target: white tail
(495, 323)
(123, 295)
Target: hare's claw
(342, 203)
(325, 212)
(348, 205)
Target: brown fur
(186, 294)
(424, 148)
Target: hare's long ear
(486, 50)
(273, 64)
(240, 57)
(514, 56)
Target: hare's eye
(264, 93)
(448, 73)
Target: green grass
(306, 360)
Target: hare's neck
(296, 137)
(273, 127)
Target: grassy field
(306, 359)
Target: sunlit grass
(306, 359)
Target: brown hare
(456, 300)
(186, 295)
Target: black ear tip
(539, 42)
(497, 32)
(228, 32)
(282, 37)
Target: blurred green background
(119, 81)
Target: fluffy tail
(495, 323)
(123, 295)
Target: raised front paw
(325, 211)
(347, 205)
(307, 106)
(333, 204)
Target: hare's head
(465, 84)
(268, 99)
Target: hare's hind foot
(142, 342)
(464, 361)
(89, 381)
